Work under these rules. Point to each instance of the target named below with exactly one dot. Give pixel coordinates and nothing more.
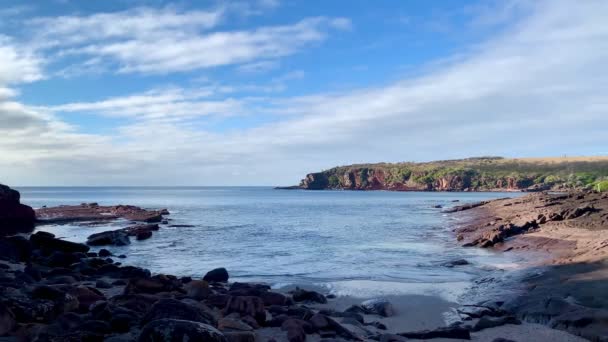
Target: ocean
(357, 243)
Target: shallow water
(357, 243)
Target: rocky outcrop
(473, 174)
(14, 216)
(94, 212)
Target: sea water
(357, 243)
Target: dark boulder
(141, 229)
(47, 242)
(14, 216)
(219, 275)
(104, 253)
(7, 320)
(15, 248)
(301, 295)
(164, 330)
(448, 332)
(247, 306)
(143, 236)
(174, 309)
(113, 237)
(156, 284)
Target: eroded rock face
(14, 216)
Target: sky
(262, 92)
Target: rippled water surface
(354, 242)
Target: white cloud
(539, 88)
(17, 65)
(145, 40)
(173, 104)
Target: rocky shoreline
(565, 239)
(56, 290)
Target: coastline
(564, 241)
(128, 284)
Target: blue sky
(261, 92)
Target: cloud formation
(145, 40)
(537, 88)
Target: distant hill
(471, 174)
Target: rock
(141, 229)
(381, 307)
(438, 206)
(174, 309)
(489, 322)
(113, 237)
(246, 305)
(86, 296)
(233, 324)
(15, 248)
(156, 284)
(104, 253)
(301, 295)
(197, 289)
(448, 332)
(355, 315)
(143, 236)
(14, 216)
(297, 329)
(96, 213)
(274, 298)
(219, 275)
(392, 338)
(319, 322)
(122, 323)
(47, 242)
(457, 262)
(7, 320)
(163, 330)
(240, 336)
(97, 327)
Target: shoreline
(125, 284)
(564, 240)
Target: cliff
(472, 174)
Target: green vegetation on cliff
(472, 174)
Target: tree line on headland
(471, 174)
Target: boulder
(301, 295)
(381, 307)
(240, 336)
(247, 305)
(492, 322)
(15, 248)
(197, 289)
(447, 332)
(156, 284)
(14, 216)
(227, 323)
(457, 262)
(113, 237)
(141, 229)
(219, 275)
(174, 309)
(163, 330)
(143, 236)
(104, 253)
(48, 242)
(7, 320)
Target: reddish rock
(94, 212)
